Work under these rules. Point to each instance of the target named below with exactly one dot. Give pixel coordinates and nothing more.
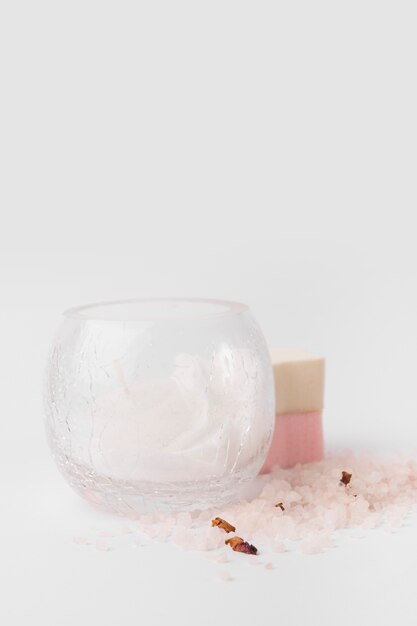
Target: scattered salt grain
(279, 547)
(315, 544)
(82, 541)
(224, 576)
(184, 519)
(126, 530)
(102, 545)
(184, 538)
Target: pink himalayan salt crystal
(184, 538)
(184, 519)
(204, 516)
(201, 539)
(369, 522)
(381, 491)
(81, 541)
(152, 532)
(127, 530)
(102, 545)
(200, 543)
(279, 547)
(163, 532)
(316, 544)
(212, 539)
(269, 566)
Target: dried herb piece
(239, 545)
(233, 542)
(246, 548)
(280, 505)
(221, 523)
(345, 480)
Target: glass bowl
(159, 404)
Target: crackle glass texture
(159, 404)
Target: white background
(257, 151)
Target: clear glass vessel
(159, 404)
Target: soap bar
(299, 381)
(299, 400)
(298, 438)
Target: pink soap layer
(298, 438)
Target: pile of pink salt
(382, 492)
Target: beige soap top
(299, 381)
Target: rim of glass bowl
(220, 308)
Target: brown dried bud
(246, 547)
(239, 545)
(345, 480)
(280, 505)
(221, 523)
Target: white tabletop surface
(263, 152)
